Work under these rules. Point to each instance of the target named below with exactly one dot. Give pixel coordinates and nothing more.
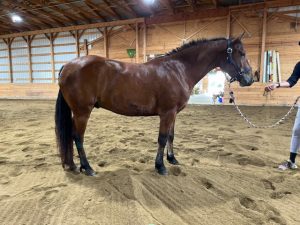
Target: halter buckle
(229, 50)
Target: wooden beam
(77, 35)
(94, 10)
(137, 43)
(201, 29)
(125, 7)
(29, 40)
(8, 43)
(263, 43)
(86, 47)
(108, 11)
(286, 17)
(287, 12)
(168, 5)
(27, 22)
(51, 37)
(228, 26)
(242, 25)
(69, 16)
(40, 12)
(105, 40)
(112, 10)
(208, 13)
(78, 10)
(49, 16)
(77, 27)
(145, 42)
(266, 4)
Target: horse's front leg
(170, 153)
(166, 121)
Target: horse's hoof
(172, 160)
(72, 168)
(88, 172)
(161, 170)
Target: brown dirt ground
(227, 173)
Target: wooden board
(28, 91)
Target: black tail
(63, 130)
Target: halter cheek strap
(239, 72)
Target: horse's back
(76, 66)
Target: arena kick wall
(281, 34)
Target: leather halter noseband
(239, 72)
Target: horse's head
(236, 63)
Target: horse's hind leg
(80, 123)
(170, 153)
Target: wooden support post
(77, 43)
(145, 42)
(77, 35)
(86, 47)
(263, 43)
(105, 43)
(29, 58)
(8, 42)
(137, 43)
(51, 37)
(228, 29)
(29, 40)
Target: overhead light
(149, 1)
(16, 19)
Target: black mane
(193, 43)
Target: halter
(239, 72)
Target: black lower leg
(84, 164)
(293, 157)
(159, 161)
(170, 154)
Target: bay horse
(160, 87)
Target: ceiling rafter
(27, 14)
(41, 12)
(168, 5)
(77, 9)
(112, 9)
(95, 11)
(57, 10)
(69, 16)
(31, 21)
(124, 6)
(143, 6)
(107, 10)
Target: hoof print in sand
(258, 211)
(268, 185)
(249, 147)
(246, 160)
(102, 163)
(176, 171)
(279, 194)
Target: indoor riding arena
(149, 112)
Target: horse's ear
(241, 36)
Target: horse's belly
(130, 105)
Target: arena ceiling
(26, 15)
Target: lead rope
(261, 127)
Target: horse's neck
(201, 61)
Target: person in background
(295, 141)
